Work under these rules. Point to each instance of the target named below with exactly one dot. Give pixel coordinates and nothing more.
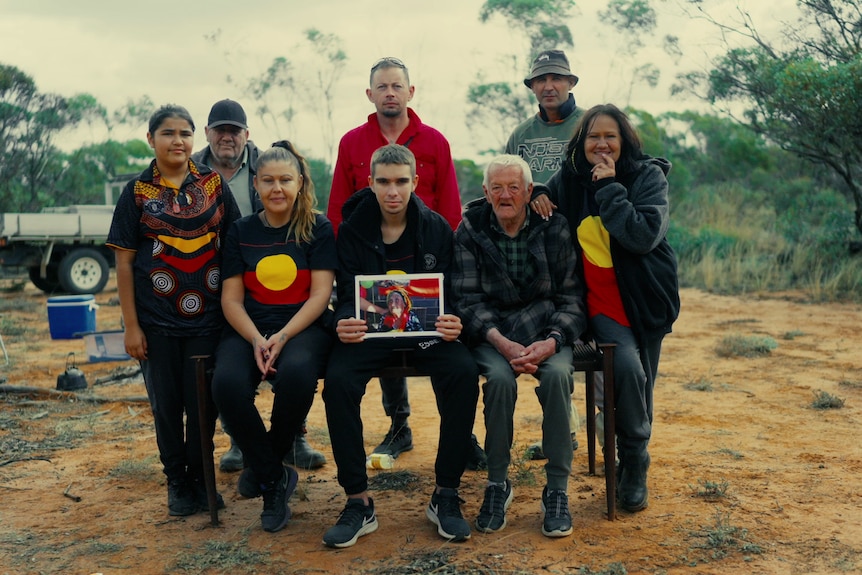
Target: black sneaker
(477, 460)
(199, 487)
(555, 506)
(397, 441)
(444, 511)
(356, 520)
(276, 512)
(304, 456)
(492, 514)
(248, 486)
(181, 498)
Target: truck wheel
(83, 271)
(49, 284)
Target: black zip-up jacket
(361, 250)
(634, 209)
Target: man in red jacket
(393, 122)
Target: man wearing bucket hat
(542, 139)
(234, 156)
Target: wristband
(558, 340)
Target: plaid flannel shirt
(486, 296)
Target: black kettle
(73, 378)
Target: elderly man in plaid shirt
(521, 304)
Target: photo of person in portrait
(399, 305)
(399, 315)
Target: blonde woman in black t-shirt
(279, 267)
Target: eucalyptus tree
(283, 90)
(800, 89)
(30, 123)
(498, 106)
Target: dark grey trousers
(635, 370)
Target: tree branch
(41, 391)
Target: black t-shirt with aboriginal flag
(275, 267)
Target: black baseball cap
(227, 112)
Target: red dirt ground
(82, 489)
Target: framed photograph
(399, 305)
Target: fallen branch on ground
(76, 498)
(120, 375)
(19, 459)
(30, 390)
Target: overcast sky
(118, 50)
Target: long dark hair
(631, 150)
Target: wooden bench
(586, 359)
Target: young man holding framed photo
(387, 229)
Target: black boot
(304, 456)
(232, 458)
(632, 492)
(476, 460)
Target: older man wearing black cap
(234, 156)
(542, 139)
(230, 153)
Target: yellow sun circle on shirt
(276, 272)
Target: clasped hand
(526, 359)
(266, 351)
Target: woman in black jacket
(616, 201)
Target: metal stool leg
(203, 390)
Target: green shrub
(710, 490)
(701, 384)
(824, 400)
(689, 244)
(745, 346)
